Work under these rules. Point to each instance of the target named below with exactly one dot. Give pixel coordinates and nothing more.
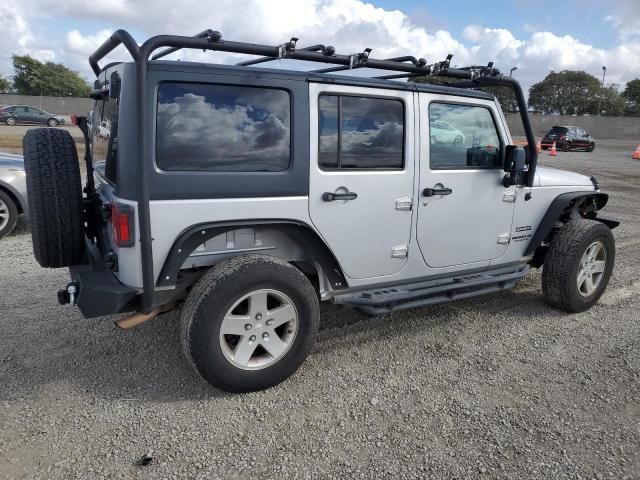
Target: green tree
(569, 92)
(631, 96)
(504, 94)
(5, 86)
(612, 103)
(33, 77)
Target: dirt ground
(501, 386)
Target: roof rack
(403, 67)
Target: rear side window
(104, 142)
(360, 132)
(463, 136)
(206, 127)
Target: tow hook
(69, 295)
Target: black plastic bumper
(99, 291)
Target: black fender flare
(195, 235)
(562, 205)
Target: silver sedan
(13, 191)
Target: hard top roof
(300, 75)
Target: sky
(535, 36)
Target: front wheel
(567, 146)
(8, 214)
(249, 323)
(11, 121)
(578, 265)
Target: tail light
(122, 217)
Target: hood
(554, 177)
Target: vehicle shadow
(147, 363)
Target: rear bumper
(99, 291)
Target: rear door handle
(330, 197)
(432, 192)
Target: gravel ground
(496, 387)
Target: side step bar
(411, 295)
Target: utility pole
(604, 73)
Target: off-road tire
(54, 190)
(215, 293)
(12, 211)
(562, 263)
(52, 122)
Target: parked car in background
(15, 114)
(567, 138)
(444, 132)
(13, 191)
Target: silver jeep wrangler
(247, 195)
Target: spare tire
(54, 190)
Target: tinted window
(360, 132)
(105, 134)
(463, 136)
(223, 128)
(557, 131)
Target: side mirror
(514, 165)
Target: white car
(444, 132)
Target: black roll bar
(472, 77)
(119, 37)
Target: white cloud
(349, 25)
(625, 18)
(17, 38)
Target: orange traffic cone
(539, 146)
(553, 152)
(636, 154)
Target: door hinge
(401, 251)
(510, 196)
(503, 238)
(404, 203)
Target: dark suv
(567, 138)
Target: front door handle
(432, 192)
(330, 197)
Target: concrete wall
(58, 105)
(623, 128)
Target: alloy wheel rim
(592, 267)
(259, 329)
(4, 214)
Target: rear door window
(226, 128)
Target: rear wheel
(567, 146)
(52, 122)
(55, 197)
(592, 147)
(249, 323)
(578, 265)
(8, 214)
